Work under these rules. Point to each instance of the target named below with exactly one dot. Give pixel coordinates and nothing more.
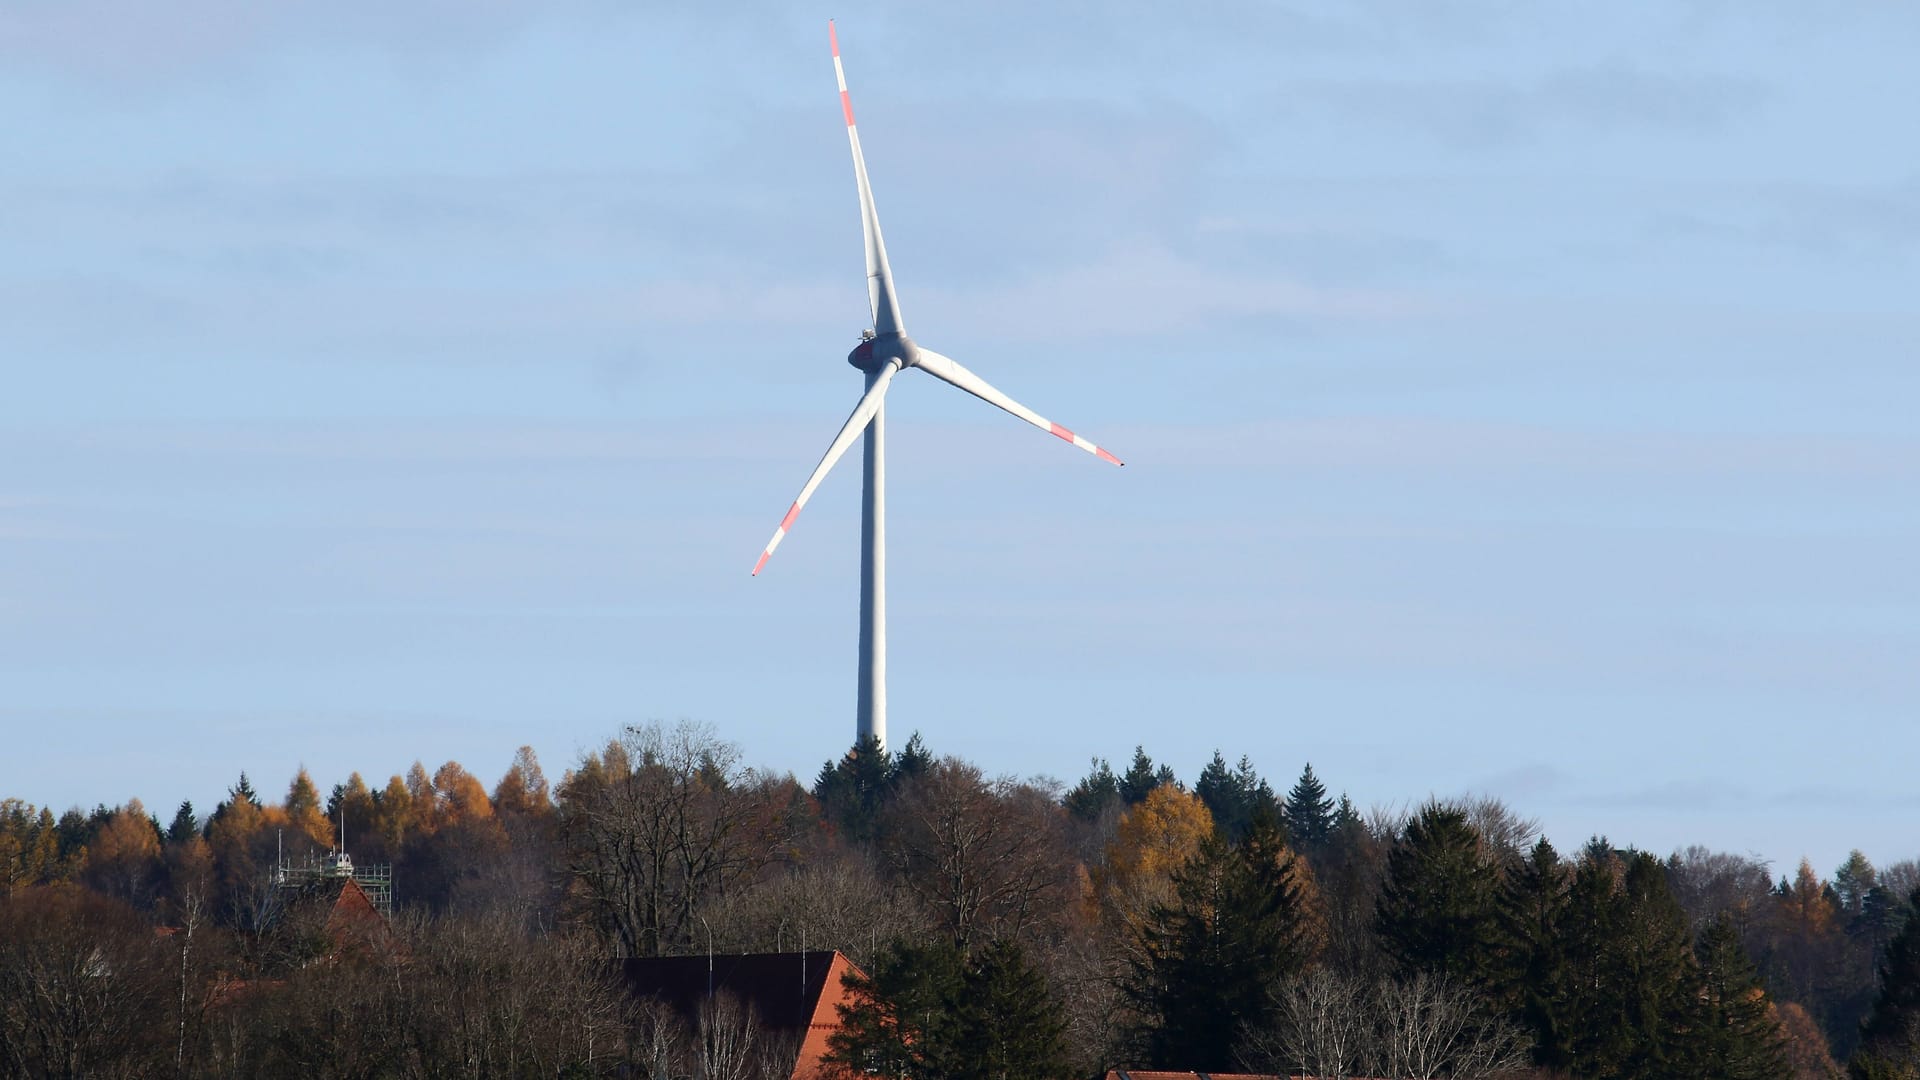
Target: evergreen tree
(897, 1021)
(1851, 883)
(1658, 982)
(1633, 998)
(1436, 910)
(244, 790)
(184, 826)
(1345, 817)
(911, 764)
(1233, 796)
(1205, 963)
(1008, 1024)
(1738, 1037)
(1890, 1037)
(1142, 777)
(1095, 792)
(929, 1012)
(851, 790)
(1347, 874)
(1310, 813)
(1531, 971)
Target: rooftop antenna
(883, 352)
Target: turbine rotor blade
(886, 308)
(949, 370)
(856, 423)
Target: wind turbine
(884, 352)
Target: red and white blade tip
(1083, 444)
(840, 75)
(779, 534)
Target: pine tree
(929, 1012)
(1310, 814)
(911, 764)
(1851, 883)
(1738, 1038)
(1095, 793)
(1006, 1022)
(1436, 911)
(1531, 971)
(1890, 1037)
(1141, 778)
(1233, 795)
(1632, 1000)
(184, 827)
(852, 790)
(897, 1021)
(1201, 975)
(1658, 985)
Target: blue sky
(1516, 399)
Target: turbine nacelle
(875, 350)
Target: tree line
(1006, 927)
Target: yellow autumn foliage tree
(304, 815)
(523, 790)
(124, 858)
(29, 846)
(462, 797)
(394, 819)
(1154, 838)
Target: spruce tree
(1310, 814)
(911, 764)
(851, 790)
(898, 1020)
(1094, 794)
(1233, 795)
(1201, 976)
(1006, 1022)
(1141, 778)
(1531, 970)
(1592, 1039)
(930, 1012)
(1633, 998)
(1436, 911)
(1738, 1038)
(1890, 1036)
(1659, 985)
(184, 826)
(1215, 788)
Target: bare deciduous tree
(1430, 1026)
(83, 986)
(662, 820)
(838, 904)
(983, 856)
(1331, 1026)
(1707, 882)
(1321, 1027)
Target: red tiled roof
(791, 993)
(1144, 1074)
(1147, 1074)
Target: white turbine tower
(882, 353)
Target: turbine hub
(877, 349)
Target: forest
(1006, 928)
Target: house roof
(1144, 1074)
(790, 992)
(1147, 1074)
